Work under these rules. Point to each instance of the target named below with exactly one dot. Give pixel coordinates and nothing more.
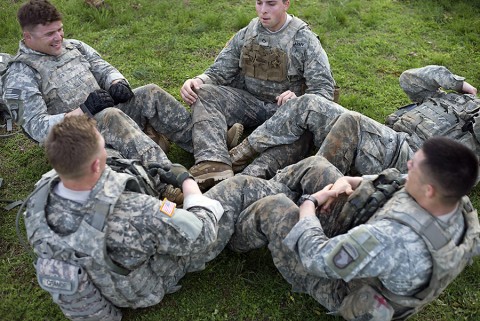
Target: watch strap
(307, 197)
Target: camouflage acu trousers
(234, 194)
(123, 135)
(216, 109)
(268, 221)
(283, 139)
(311, 113)
(275, 158)
(357, 144)
(153, 105)
(238, 193)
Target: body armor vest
(66, 79)
(266, 58)
(120, 286)
(452, 116)
(448, 259)
(9, 116)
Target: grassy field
(369, 43)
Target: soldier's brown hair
(71, 145)
(36, 12)
(450, 166)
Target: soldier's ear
(95, 166)
(430, 191)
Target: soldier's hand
(97, 101)
(121, 91)
(175, 176)
(468, 89)
(188, 89)
(284, 97)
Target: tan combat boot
(234, 134)
(209, 173)
(160, 139)
(241, 155)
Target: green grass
(369, 43)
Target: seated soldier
(94, 230)
(395, 263)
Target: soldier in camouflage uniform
(359, 145)
(134, 247)
(272, 60)
(52, 77)
(401, 259)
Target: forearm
(308, 240)
(208, 212)
(31, 109)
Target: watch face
(302, 199)
(308, 197)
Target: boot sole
(235, 140)
(216, 176)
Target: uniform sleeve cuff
(298, 229)
(197, 200)
(205, 79)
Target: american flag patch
(167, 207)
(12, 93)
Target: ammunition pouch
(367, 198)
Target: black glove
(120, 91)
(175, 176)
(96, 101)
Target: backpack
(6, 116)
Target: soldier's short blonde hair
(71, 145)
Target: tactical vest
(9, 116)
(86, 247)
(452, 116)
(66, 79)
(266, 59)
(448, 258)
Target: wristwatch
(307, 197)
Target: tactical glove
(96, 101)
(120, 91)
(175, 176)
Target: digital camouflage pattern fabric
(237, 89)
(45, 96)
(385, 254)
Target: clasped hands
(327, 195)
(119, 92)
